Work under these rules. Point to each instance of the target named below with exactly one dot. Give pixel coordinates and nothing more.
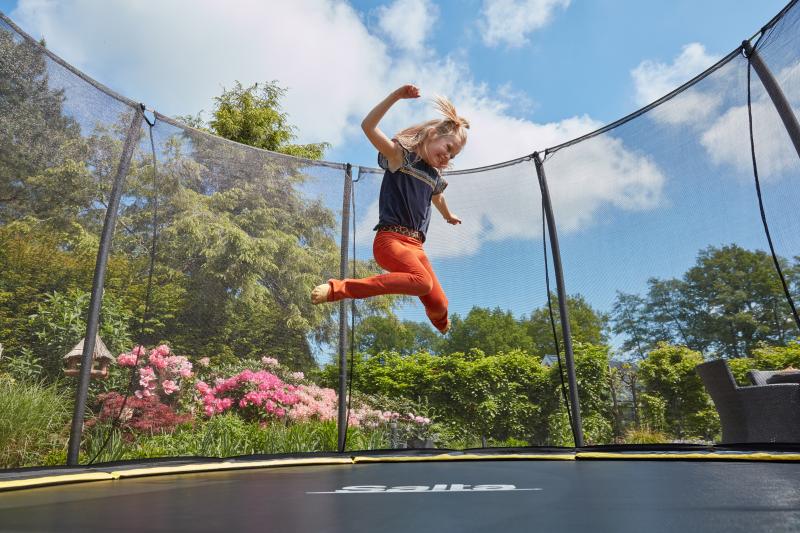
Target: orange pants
(410, 273)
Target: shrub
(139, 415)
(160, 372)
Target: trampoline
(648, 214)
(525, 490)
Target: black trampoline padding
(486, 496)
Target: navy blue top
(406, 193)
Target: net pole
(92, 321)
(577, 425)
(776, 94)
(342, 422)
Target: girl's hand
(453, 220)
(407, 91)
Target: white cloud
(408, 23)
(653, 80)
(727, 140)
(179, 57)
(510, 21)
(336, 70)
(722, 129)
(505, 203)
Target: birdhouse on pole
(101, 358)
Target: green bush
(59, 323)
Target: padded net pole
(789, 120)
(577, 426)
(348, 190)
(776, 94)
(92, 322)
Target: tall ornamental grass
(34, 422)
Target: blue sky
(528, 74)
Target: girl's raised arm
(391, 150)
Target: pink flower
(169, 386)
(126, 359)
(162, 350)
(157, 360)
(146, 376)
(204, 361)
(269, 361)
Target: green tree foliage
(252, 115)
(727, 304)
(739, 299)
(240, 243)
(593, 375)
(674, 395)
(377, 333)
(586, 324)
(59, 323)
(492, 331)
(42, 170)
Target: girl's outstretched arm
(439, 203)
(391, 150)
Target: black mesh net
(212, 347)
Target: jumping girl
(412, 181)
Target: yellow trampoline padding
(713, 456)
(54, 480)
(466, 457)
(238, 465)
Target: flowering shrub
(145, 415)
(160, 372)
(255, 395)
(314, 403)
(276, 393)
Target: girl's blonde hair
(452, 124)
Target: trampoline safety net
(207, 343)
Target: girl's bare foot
(320, 294)
(446, 327)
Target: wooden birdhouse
(101, 358)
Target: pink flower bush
(256, 395)
(159, 371)
(314, 403)
(264, 396)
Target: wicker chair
(756, 414)
(762, 377)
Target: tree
(629, 319)
(253, 116)
(240, 239)
(728, 303)
(492, 331)
(586, 324)
(42, 173)
(740, 299)
(376, 334)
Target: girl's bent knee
(424, 286)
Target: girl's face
(439, 150)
